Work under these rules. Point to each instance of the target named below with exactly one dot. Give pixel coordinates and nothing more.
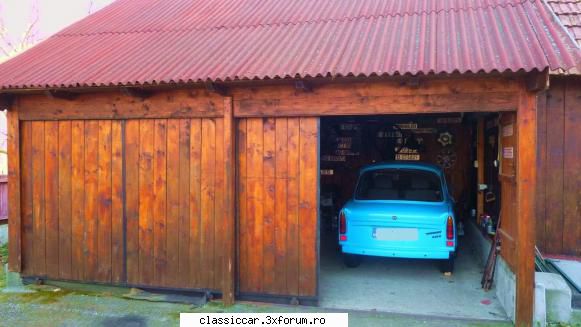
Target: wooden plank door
(277, 172)
(126, 202)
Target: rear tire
(351, 260)
(447, 266)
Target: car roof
(403, 165)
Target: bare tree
(11, 45)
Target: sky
(53, 15)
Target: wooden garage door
(277, 206)
(123, 201)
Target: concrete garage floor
(408, 286)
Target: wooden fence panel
(277, 209)
(130, 202)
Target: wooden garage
(188, 157)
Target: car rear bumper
(418, 253)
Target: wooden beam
(136, 92)
(480, 143)
(526, 172)
(14, 222)
(6, 101)
(537, 82)
(413, 82)
(113, 105)
(216, 88)
(304, 86)
(312, 104)
(58, 94)
(228, 280)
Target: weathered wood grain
(51, 198)
(308, 186)
(159, 202)
(525, 201)
(173, 203)
(195, 202)
(132, 189)
(64, 199)
(27, 246)
(104, 202)
(117, 203)
(78, 198)
(184, 202)
(14, 196)
(91, 243)
(146, 133)
(114, 105)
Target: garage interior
(451, 141)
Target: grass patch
(3, 261)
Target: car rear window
(399, 184)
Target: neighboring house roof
(569, 13)
(135, 42)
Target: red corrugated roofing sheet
(133, 42)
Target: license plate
(395, 234)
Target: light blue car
(400, 210)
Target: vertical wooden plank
(526, 192)
(243, 239)
(218, 218)
(541, 169)
(65, 205)
(255, 198)
(39, 241)
(208, 180)
(572, 170)
(229, 217)
(159, 206)
(184, 203)
(91, 200)
(105, 201)
(173, 203)
(292, 264)
(27, 244)
(195, 206)
(51, 198)
(132, 200)
(555, 178)
(269, 164)
(146, 202)
(14, 215)
(280, 218)
(117, 224)
(78, 197)
(308, 184)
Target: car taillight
(450, 228)
(342, 223)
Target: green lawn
(3, 260)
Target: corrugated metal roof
(134, 42)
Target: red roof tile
(133, 42)
(569, 12)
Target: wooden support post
(229, 203)
(14, 224)
(480, 170)
(526, 171)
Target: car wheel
(351, 260)
(447, 266)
